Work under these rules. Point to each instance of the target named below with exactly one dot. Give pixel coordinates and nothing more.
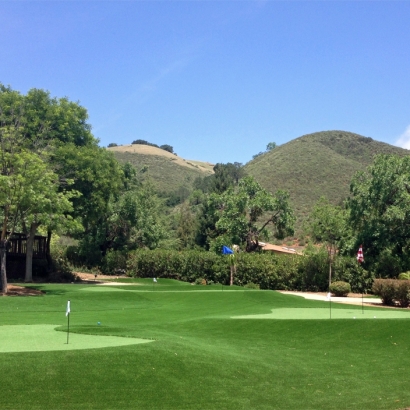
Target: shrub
(386, 289)
(403, 293)
(269, 271)
(252, 285)
(200, 281)
(340, 288)
(404, 276)
(347, 269)
(114, 262)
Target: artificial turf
(199, 356)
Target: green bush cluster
(405, 276)
(269, 271)
(340, 288)
(114, 262)
(392, 291)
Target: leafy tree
(380, 210)
(207, 217)
(143, 142)
(44, 205)
(225, 175)
(271, 146)
(168, 148)
(57, 130)
(96, 175)
(248, 210)
(327, 225)
(185, 226)
(112, 144)
(25, 185)
(257, 155)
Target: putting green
(41, 338)
(325, 313)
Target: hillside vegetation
(315, 165)
(168, 172)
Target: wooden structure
(16, 254)
(18, 246)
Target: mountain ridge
(317, 164)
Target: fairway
(177, 346)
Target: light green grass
(328, 313)
(42, 338)
(202, 358)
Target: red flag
(360, 257)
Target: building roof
(278, 249)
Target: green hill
(168, 172)
(317, 164)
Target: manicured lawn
(198, 355)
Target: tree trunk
(3, 273)
(48, 251)
(29, 252)
(330, 274)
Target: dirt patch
(92, 277)
(14, 290)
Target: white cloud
(404, 139)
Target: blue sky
(217, 80)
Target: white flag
(67, 312)
(155, 280)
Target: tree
(380, 209)
(44, 205)
(185, 226)
(225, 175)
(327, 225)
(271, 146)
(95, 174)
(24, 185)
(168, 148)
(247, 211)
(57, 131)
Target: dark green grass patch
(201, 358)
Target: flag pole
(330, 304)
(360, 259)
(68, 327)
(67, 313)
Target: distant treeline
(165, 147)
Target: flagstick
(330, 306)
(68, 326)
(362, 301)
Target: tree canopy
(247, 210)
(380, 210)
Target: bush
(114, 263)
(386, 289)
(404, 276)
(403, 293)
(252, 285)
(269, 271)
(200, 281)
(340, 288)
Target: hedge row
(269, 271)
(392, 291)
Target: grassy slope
(317, 164)
(167, 171)
(201, 358)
